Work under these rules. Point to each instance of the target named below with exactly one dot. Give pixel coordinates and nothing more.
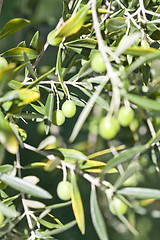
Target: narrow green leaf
(41, 78)
(77, 204)
(34, 204)
(115, 24)
(124, 157)
(142, 59)
(60, 230)
(18, 53)
(97, 218)
(140, 193)
(22, 44)
(73, 24)
(2, 153)
(49, 221)
(25, 187)
(83, 43)
(93, 166)
(34, 44)
(86, 110)
(7, 138)
(29, 66)
(5, 76)
(59, 69)
(141, 51)
(13, 26)
(13, 84)
(126, 42)
(143, 102)
(132, 169)
(8, 211)
(6, 168)
(59, 205)
(69, 155)
(49, 110)
(40, 109)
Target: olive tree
(104, 88)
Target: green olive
(125, 116)
(69, 108)
(118, 205)
(97, 63)
(64, 190)
(108, 127)
(58, 117)
(52, 40)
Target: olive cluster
(109, 127)
(68, 111)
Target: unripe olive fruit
(108, 127)
(69, 108)
(125, 116)
(97, 63)
(3, 63)
(118, 205)
(58, 117)
(1, 218)
(64, 190)
(52, 40)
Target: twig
(88, 177)
(142, 8)
(41, 54)
(1, 3)
(26, 210)
(152, 131)
(116, 83)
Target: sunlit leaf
(7, 138)
(106, 151)
(141, 51)
(17, 53)
(132, 169)
(70, 155)
(25, 187)
(144, 102)
(49, 110)
(5, 76)
(73, 24)
(34, 204)
(59, 69)
(115, 24)
(13, 26)
(93, 166)
(6, 168)
(34, 44)
(8, 211)
(83, 43)
(50, 221)
(140, 193)
(60, 230)
(29, 66)
(77, 204)
(97, 218)
(125, 156)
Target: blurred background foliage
(44, 15)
